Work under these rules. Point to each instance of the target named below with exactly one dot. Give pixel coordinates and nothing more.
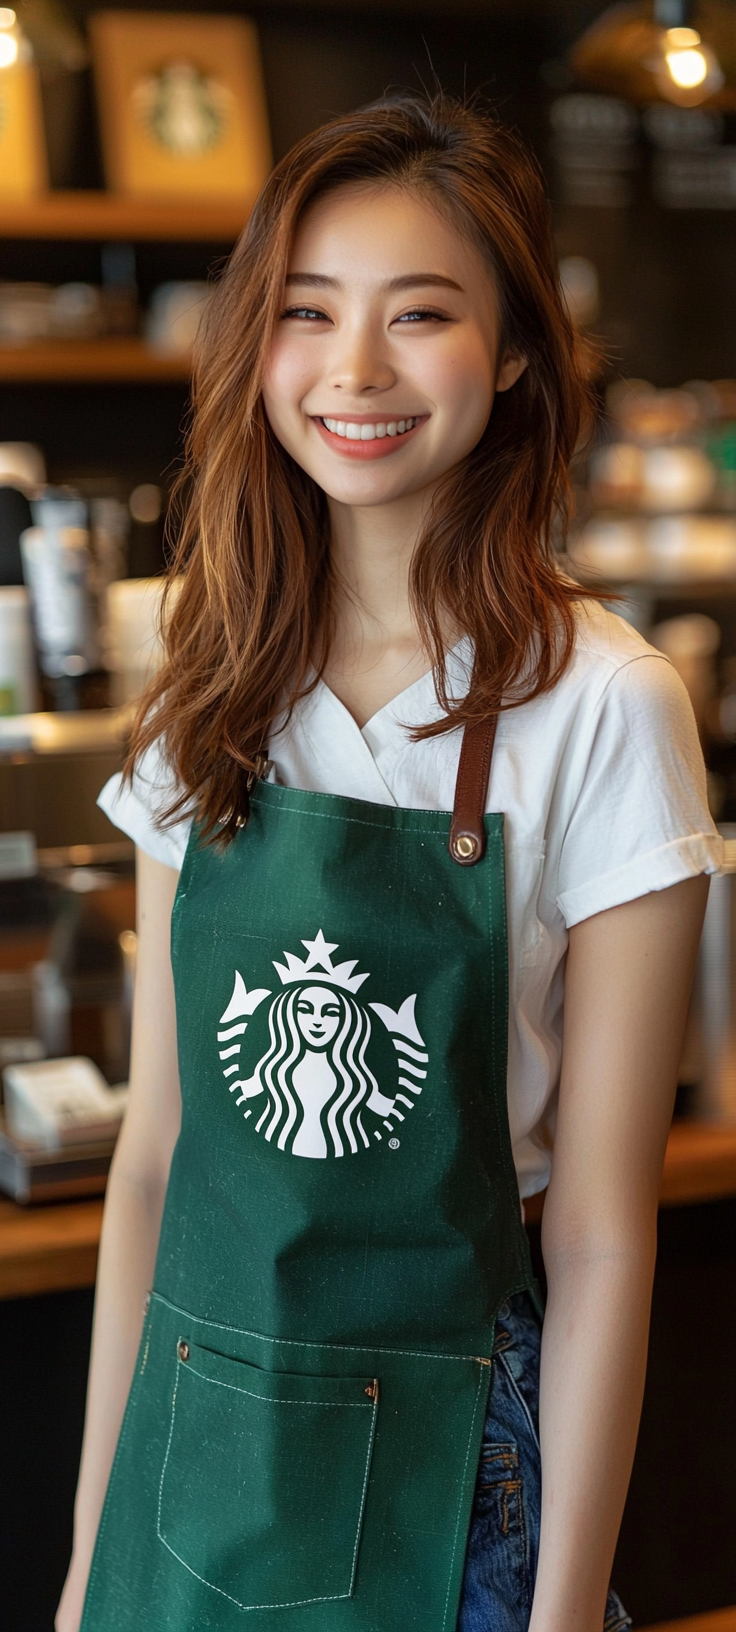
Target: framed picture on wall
(181, 104)
(23, 169)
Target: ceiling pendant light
(9, 49)
(662, 51)
(687, 71)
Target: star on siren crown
(319, 965)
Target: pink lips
(379, 448)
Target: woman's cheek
(466, 388)
(286, 381)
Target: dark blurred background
(665, 313)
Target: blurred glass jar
(175, 314)
(656, 463)
(25, 312)
(656, 479)
(38, 311)
(76, 312)
(22, 465)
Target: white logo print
(317, 1082)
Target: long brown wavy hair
(250, 630)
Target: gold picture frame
(23, 170)
(181, 104)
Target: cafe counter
(53, 1248)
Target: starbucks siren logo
(184, 110)
(316, 1093)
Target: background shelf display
(110, 216)
(52, 1247)
(105, 361)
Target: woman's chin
(370, 486)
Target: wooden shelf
(51, 1248)
(718, 1620)
(107, 216)
(700, 1165)
(48, 1249)
(92, 361)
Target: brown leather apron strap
(467, 833)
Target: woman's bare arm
(628, 979)
(135, 1197)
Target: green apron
(342, 1222)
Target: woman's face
(385, 361)
(318, 1016)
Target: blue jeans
(503, 1544)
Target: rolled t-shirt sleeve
(641, 820)
(135, 806)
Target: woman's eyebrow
(409, 280)
(414, 280)
(312, 280)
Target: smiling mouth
(355, 431)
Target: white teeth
(354, 432)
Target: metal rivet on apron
(182, 1349)
(371, 1389)
(464, 846)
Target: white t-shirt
(602, 787)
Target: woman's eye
(421, 314)
(308, 313)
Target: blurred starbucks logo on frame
(183, 109)
(182, 105)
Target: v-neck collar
(337, 756)
(411, 707)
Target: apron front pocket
(264, 1479)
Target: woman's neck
(376, 652)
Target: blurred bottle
(18, 684)
(22, 471)
(691, 643)
(119, 289)
(714, 995)
(134, 648)
(720, 745)
(718, 398)
(81, 989)
(110, 533)
(56, 567)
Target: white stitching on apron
(296, 1603)
(465, 1469)
(336, 1348)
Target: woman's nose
(360, 364)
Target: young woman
(337, 1417)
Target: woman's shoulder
(606, 642)
(618, 706)
(138, 806)
(613, 668)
